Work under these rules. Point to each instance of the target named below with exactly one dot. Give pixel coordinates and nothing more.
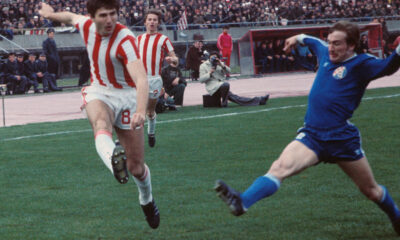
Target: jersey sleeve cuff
(300, 38)
(398, 50)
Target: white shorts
(121, 101)
(155, 86)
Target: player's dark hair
(94, 5)
(351, 29)
(155, 12)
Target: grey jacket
(216, 79)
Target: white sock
(105, 147)
(144, 187)
(151, 128)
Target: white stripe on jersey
(109, 55)
(152, 48)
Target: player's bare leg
(133, 143)
(361, 174)
(151, 121)
(101, 118)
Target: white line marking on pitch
(189, 119)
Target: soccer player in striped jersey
(118, 94)
(327, 135)
(152, 47)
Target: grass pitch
(54, 186)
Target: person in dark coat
(21, 70)
(265, 57)
(15, 80)
(48, 79)
(50, 49)
(30, 71)
(173, 82)
(193, 58)
(84, 71)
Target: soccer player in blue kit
(327, 135)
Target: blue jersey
(338, 87)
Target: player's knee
(135, 168)
(100, 124)
(372, 193)
(280, 169)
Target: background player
(117, 95)
(327, 135)
(152, 46)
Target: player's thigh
(295, 158)
(100, 115)
(361, 173)
(133, 142)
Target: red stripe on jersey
(86, 27)
(95, 57)
(122, 54)
(109, 64)
(153, 54)
(146, 43)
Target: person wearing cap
(50, 49)
(15, 80)
(21, 70)
(30, 72)
(48, 79)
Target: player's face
(105, 20)
(339, 50)
(151, 23)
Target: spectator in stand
(173, 82)
(48, 79)
(225, 46)
(194, 57)
(50, 49)
(15, 80)
(30, 71)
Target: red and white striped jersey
(152, 48)
(109, 54)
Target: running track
(55, 107)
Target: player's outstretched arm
(290, 43)
(138, 74)
(47, 11)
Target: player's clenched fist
(137, 121)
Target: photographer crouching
(173, 82)
(212, 73)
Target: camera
(214, 61)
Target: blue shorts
(332, 145)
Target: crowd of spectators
(16, 15)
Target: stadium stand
(19, 15)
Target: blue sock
(262, 187)
(388, 206)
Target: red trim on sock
(105, 132)
(146, 172)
